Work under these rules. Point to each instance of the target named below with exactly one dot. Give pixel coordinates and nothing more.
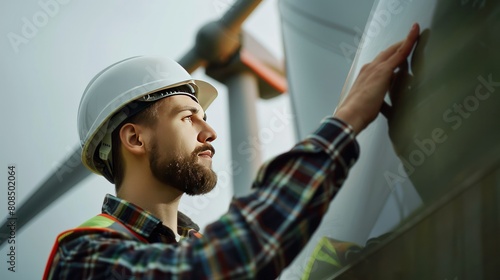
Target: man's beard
(184, 172)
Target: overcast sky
(49, 52)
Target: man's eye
(188, 118)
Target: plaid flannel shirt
(256, 239)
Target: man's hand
(363, 103)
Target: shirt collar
(138, 219)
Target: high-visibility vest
(99, 223)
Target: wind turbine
(230, 56)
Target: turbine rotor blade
(191, 61)
(65, 177)
(217, 41)
(238, 13)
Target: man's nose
(207, 134)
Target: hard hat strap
(105, 153)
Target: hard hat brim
(206, 93)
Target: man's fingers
(365, 100)
(405, 48)
(386, 54)
(396, 53)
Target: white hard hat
(122, 90)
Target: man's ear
(132, 138)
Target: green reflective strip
(323, 255)
(97, 221)
(103, 223)
(94, 222)
(324, 252)
(63, 235)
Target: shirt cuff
(336, 138)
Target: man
(148, 134)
